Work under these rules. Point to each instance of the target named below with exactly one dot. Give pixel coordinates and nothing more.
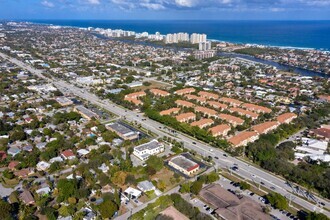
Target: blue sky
(166, 9)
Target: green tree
(277, 200)
(212, 177)
(196, 187)
(316, 216)
(6, 210)
(66, 188)
(107, 208)
(185, 188)
(155, 162)
(244, 185)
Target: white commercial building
(144, 151)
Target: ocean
(297, 34)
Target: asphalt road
(245, 171)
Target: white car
(254, 176)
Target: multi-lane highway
(245, 170)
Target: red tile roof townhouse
(256, 108)
(185, 117)
(243, 138)
(244, 112)
(286, 117)
(170, 111)
(217, 105)
(159, 92)
(265, 127)
(135, 95)
(184, 103)
(203, 123)
(197, 98)
(231, 119)
(208, 95)
(220, 130)
(206, 111)
(134, 101)
(230, 101)
(184, 91)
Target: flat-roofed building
(286, 118)
(184, 91)
(202, 123)
(206, 111)
(86, 113)
(243, 112)
(243, 138)
(256, 108)
(208, 95)
(122, 131)
(184, 165)
(64, 101)
(228, 206)
(231, 119)
(144, 151)
(266, 127)
(220, 130)
(170, 111)
(231, 102)
(184, 103)
(158, 92)
(217, 105)
(186, 117)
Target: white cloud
(47, 4)
(186, 3)
(153, 6)
(94, 2)
(272, 5)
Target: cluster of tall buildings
(194, 38)
(115, 33)
(184, 37)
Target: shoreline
(212, 40)
(315, 73)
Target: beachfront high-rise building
(197, 38)
(157, 36)
(205, 45)
(176, 38)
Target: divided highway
(245, 171)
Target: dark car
(236, 184)
(216, 158)
(262, 183)
(251, 194)
(194, 142)
(225, 155)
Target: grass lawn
(165, 175)
(154, 85)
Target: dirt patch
(154, 85)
